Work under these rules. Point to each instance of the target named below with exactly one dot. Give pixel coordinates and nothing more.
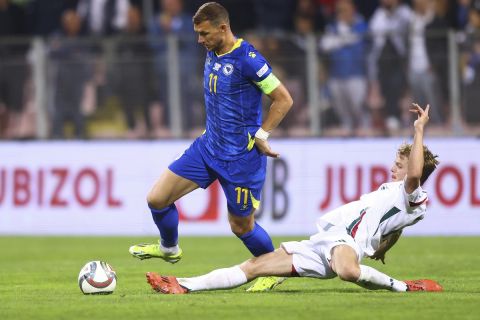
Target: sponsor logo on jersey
(252, 54)
(216, 66)
(208, 61)
(227, 69)
(262, 70)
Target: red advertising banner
(99, 188)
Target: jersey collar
(235, 46)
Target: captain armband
(268, 84)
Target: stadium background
(98, 97)
(108, 93)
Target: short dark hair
(430, 161)
(213, 12)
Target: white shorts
(311, 258)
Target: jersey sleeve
(415, 200)
(258, 70)
(383, 186)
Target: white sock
(373, 279)
(169, 250)
(217, 279)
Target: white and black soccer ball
(97, 277)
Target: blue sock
(166, 220)
(257, 241)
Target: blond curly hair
(430, 160)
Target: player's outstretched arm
(385, 245)
(281, 104)
(415, 160)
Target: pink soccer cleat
(165, 284)
(423, 285)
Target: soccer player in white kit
(364, 228)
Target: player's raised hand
(422, 115)
(264, 148)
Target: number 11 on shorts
(241, 191)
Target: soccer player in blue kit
(234, 146)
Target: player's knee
(241, 225)
(239, 228)
(349, 273)
(156, 201)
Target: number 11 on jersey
(213, 77)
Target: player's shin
(373, 279)
(257, 241)
(225, 278)
(166, 220)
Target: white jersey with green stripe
(377, 214)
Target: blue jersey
(233, 99)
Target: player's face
(399, 168)
(210, 36)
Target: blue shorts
(241, 180)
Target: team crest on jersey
(227, 69)
(216, 66)
(208, 61)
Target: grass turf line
(38, 280)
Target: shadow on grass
(285, 291)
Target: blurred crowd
(110, 72)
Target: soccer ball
(97, 277)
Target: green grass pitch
(38, 280)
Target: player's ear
(223, 28)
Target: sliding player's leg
(345, 264)
(277, 263)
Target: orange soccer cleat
(423, 285)
(165, 284)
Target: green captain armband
(268, 84)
